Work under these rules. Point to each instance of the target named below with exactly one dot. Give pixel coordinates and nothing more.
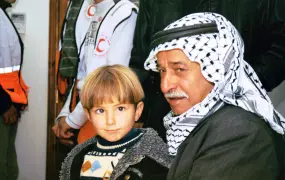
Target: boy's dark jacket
(148, 159)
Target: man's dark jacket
(231, 144)
(260, 22)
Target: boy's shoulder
(150, 145)
(151, 138)
(85, 146)
(150, 150)
(75, 156)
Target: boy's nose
(110, 119)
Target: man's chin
(178, 105)
(177, 111)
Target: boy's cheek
(86, 112)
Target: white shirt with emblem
(107, 50)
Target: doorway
(55, 151)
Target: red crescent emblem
(97, 48)
(89, 10)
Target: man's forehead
(172, 62)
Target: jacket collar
(156, 149)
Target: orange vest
(11, 61)
(86, 131)
(15, 86)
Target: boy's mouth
(111, 130)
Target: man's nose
(110, 119)
(168, 82)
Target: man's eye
(161, 70)
(99, 111)
(121, 108)
(180, 69)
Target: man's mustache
(176, 94)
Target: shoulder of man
(123, 7)
(234, 125)
(230, 117)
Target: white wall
(31, 137)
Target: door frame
(57, 12)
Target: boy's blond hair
(111, 83)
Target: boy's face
(112, 121)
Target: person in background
(222, 124)
(103, 35)
(13, 92)
(260, 23)
(112, 100)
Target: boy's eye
(121, 108)
(99, 111)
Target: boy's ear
(139, 110)
(86, 112)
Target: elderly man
(261, 25)
(222, 125)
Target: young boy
(112, 100)
(96, 33)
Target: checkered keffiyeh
(220, 56)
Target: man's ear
(86, 112)
(139, 110)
